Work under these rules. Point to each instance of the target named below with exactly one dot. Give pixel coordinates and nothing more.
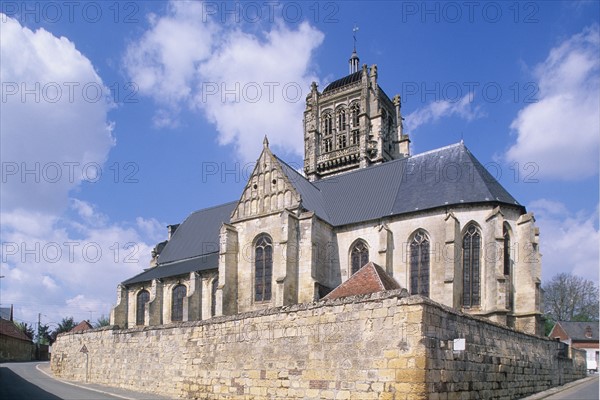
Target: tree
(65, 325)
(26, 329)
(102, 321)
(569, 297)
(44, 334)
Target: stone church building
(437, 223)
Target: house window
(327, 124)
(213, 296)
(263, 268)
(471, 266)
(143, 297)
(359, 256)
(341, 114)
(419, 264)
(179, 293)
(355, 111)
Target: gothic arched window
(507, 266)
(327, 124)
(506, 255)
(354, 112)
(359, 255)
(471, 266)
(342, 142)
(263, 268)
(419, 264)
(327, 145)
(143, 297)
(354, 139)
(213, 296)
(177, 296)
(341, 114)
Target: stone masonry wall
(496, 362)
(380, 346)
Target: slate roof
(438, 178)
(8, 328)
(201, 263)
(198, 234)
(348, 79)
(193, 247)
(577, 330)
(371, 278)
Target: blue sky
(119, 118)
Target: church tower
(351, 124)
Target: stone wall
(13, 349)
(380, 346)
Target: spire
(265, 142)
(354, 61)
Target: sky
(120, 118)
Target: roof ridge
(377, 273)
(390, 162)
(212, 207)
(450, 146)
(481, 170)
(359, 170)
(297, 173)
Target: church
(437, 224)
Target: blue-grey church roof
(443, 177)
(193, 247)
(198, 234)
(438, 178)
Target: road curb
(81, 386)
(558, 389)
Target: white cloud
(568, 241)
(53, 132)
(163, 61)
(247, 84)
(43, 269)
(561, 132)
(154, 230)
(436, 110)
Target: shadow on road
(13, 387)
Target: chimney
(172, 229)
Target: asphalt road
(585, 391)
(25, 381)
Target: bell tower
(351, 124)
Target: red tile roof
(8, 328)
(82, 326)
(370, 278)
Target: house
(579, 335)
(438, 223)
(14, 344)
(82, 326)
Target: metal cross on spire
(354, 30)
